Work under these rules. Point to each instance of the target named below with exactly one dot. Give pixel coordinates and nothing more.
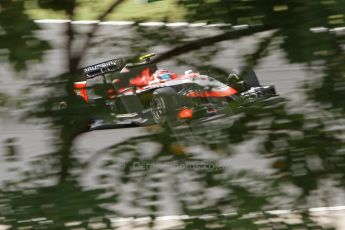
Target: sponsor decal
(224, 93)
(103, 65)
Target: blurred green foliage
(64, 5)
(309, 31)
(304, 145)
(17, 35)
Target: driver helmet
(163, 74)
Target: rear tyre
(164, 106)
(75, 114)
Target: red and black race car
(142, 94)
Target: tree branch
(199, 43)
(69, 45)
(261, 51)
(96, 27)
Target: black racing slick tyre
(251, 80)
(164, 106)
(75, 114)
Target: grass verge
(129, 10)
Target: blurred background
(277, 165)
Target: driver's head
(163, 74)
(166, 76)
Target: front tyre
(75, 114)
(164, 106)
(251, 80)
(243, 82)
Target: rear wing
(103, 68)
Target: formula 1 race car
(143, 94)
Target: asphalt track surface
(33, 139)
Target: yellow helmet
(147, 57)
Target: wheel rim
(158, 110)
